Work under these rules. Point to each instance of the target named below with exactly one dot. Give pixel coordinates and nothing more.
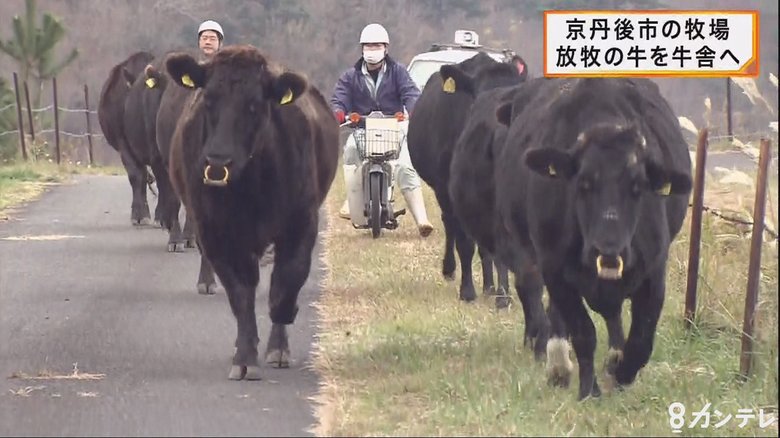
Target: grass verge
(400, 356)
(23, 182)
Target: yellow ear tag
(151, 82)
(551, 170)
(187, 80)
(287, 98)
(665, 190)
(449, 86)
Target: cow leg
(189, 231)
(292, 262)
(448, 219)
(176, 240)
(240, 274)
(617, 340)
(488, 287)
(583, 334)
(139, 209)
(559, 364)
(207, 284)
(502, 293)
(162, 214)
(530, 288)
(646, 305)
(465, 247)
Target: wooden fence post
(29, 111)
(19, 118)
(56, 120)
(754, 269)
(728, 110)
(695, 244)
(89, 128)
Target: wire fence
(76, 130)
(54, 131)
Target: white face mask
(374, 56)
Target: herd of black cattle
(579, 185)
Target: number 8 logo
(676, 415)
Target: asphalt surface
(109, 298)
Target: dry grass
(50, 375)
(26, 390)
(401, 356)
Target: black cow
(140, 115)
(439, 116)
(164, 117)
(593, 182)
(111, 116)
(472, 191)
(253, 157)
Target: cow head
(240, 96)
(482, 74)
(609, 171)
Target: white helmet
(211, 25)
(374, 33)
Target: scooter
(379, 139)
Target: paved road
(115, 302)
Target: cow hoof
(448, 270)
(145, 222)
(559, 365)
(609, 382)
(207, 289)
(614, 357)
(176, 246)
(503, 301)
(242, 372)
(490, 291)
(268, 257)
(595, 391)
(278, 358)
(467, 294)
(190, 243)
(157, 224)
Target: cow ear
(454, 79)
(129, 78)
(665, 182)
(288, 87)
(185, 70)
(520, 65)
(504, 114)
(153, 76)
(550, 162)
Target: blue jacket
(396, 91)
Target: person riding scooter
(379, 83)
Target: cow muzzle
(217, 176)
(609, 267)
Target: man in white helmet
(379, 83)
(210, 36)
